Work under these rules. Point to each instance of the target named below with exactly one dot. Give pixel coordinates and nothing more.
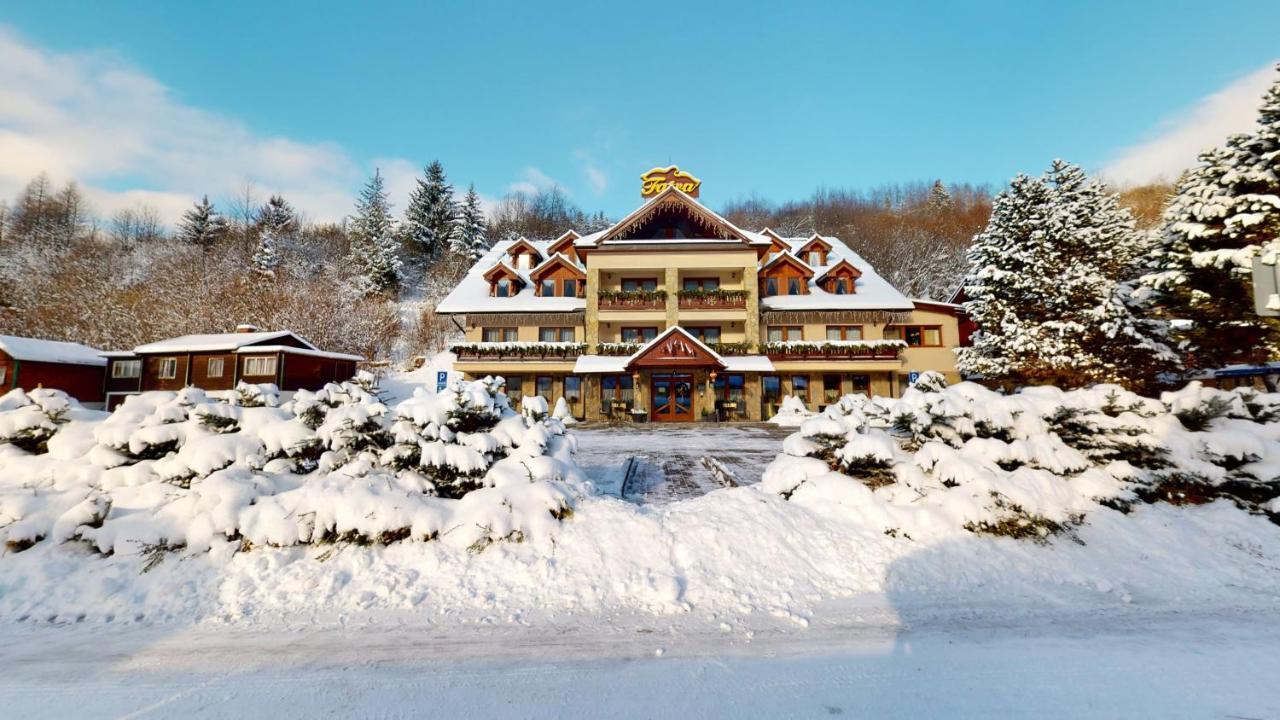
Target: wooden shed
(29, 363)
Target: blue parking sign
(912, 377)
(442, 379)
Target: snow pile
(1031, 464)
(792, 412)
(194, 469)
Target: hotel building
(676, 314)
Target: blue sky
(774, 99)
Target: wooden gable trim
(816, 239)
(557, 261)
(787, 259)
(675, 348)
(842, 268)
(564, 244)
(524, 244)
(673, 196)
(492, 273)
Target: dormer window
(771, 287)
(524, 261)
(816, 258)
(793, 286)
(842, 286)
(504, 288)
(548, 288)
(570, 288)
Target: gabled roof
(25, 349)
(675, 346)
(815, 239)
(789, 259)
(559, 259)
(673, 196)
(843, 263)
(218, 342)
(523, 244)
(506, 270)
(563, 242)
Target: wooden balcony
(835, 350)
(712, 299)
(633, 300)
(517, 350)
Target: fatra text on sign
(659, 179)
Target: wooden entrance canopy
(675, 348)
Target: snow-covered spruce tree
(431, 215)
(277, 224)
(940, 201)
(1050, 287)
(470, 239)
(1224, 211)
(374, 259)
(202, 225)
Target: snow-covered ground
(737, 602)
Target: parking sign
(912, 377)
(442, 379)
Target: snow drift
(186, 469)
(1031, 464)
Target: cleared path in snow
(662, 463)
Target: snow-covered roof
(216, 341)
(297, 351)
(664, 196)
(872, 291)
(50, 351)
(595, 364)
(672, 331)
(472, 293)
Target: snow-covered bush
(791, 413)
(171, 470)
(1033, 463)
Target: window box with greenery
(617, 349)
(632, 299)
(732, 348)
(712, 298)
(826, 349)
(534, 350)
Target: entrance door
(672, 398)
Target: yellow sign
(659, 179)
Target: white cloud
(531, 181)
(94, 118)
(596, 178)
(1179, 139)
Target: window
(573, 394)
(638, 334)
(770, 287)
(634, 284)
(542, 387)
(498, 334)
(504, 288)
(830, 389)
(514, 390)
(168, 368)
(915, 335)
(4, 373)
(126, 368)
(214, 368)
(616, 388)
(729, 388)
(860, 384)
(793, 286)
(548, 288)
(570, 287)
(260, 366)
(785, 333)
(800, 387)
(524, 260)
(771, 394)
(555, 334)
(709, 334)
(840, 286)
(844, 332)
(816, 259)
(701, 283)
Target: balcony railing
(835, 350)
(632, 299)
(712, 299)
(617, 349)
(518, 350)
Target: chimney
(246, 328)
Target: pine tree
(470, 239)
(1050, 288)
(1224, 211)
(277, 224)
(431, 215)
(939, 199)
(202, 225)
(374, 259)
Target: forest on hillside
(368, 284)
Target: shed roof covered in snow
(25, 349)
